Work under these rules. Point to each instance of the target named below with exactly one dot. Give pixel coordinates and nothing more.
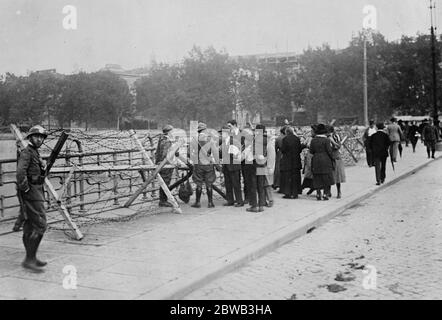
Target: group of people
(381, 141)
(253, 163)
(323, 163)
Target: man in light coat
(395, 135)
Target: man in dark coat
(291, 165)
(232, 166)
(379, 144)
(365, 138)
(30, 180)
(413, 134)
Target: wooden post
(51, 190)
(115, 181)
(163, 185)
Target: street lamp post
(365, 84)
(433, 57)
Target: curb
(180, 288)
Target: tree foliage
(207, 85)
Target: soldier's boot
(197, 203)
(210, 197)
(318, 195)
(30, 261)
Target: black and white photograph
(224, 154)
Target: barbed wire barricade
(94, 174)
(97, 171)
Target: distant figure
(379, 144)
(430, 136)
(406, 129)
(421, 128)
(395, 134)
(413, 134)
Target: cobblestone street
(393, 238)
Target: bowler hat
(380, 125)
(321, 129)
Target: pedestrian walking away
(30, 179)
(413, 135)
(396, 136)
(371, 129)
(430, 136)
(379, 144)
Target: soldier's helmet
(37, 130)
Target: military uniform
(204, 168)
(30, 179)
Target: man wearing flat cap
(207, 156)
(164, 144)
(30, 180)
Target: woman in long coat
(291, 165)
(322, 163)
(307, 182)
(277, 175)
(339, 168)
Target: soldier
(164, 144)
(204, 169)
(30, 179)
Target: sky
(132, 33)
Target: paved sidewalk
(166, 256)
